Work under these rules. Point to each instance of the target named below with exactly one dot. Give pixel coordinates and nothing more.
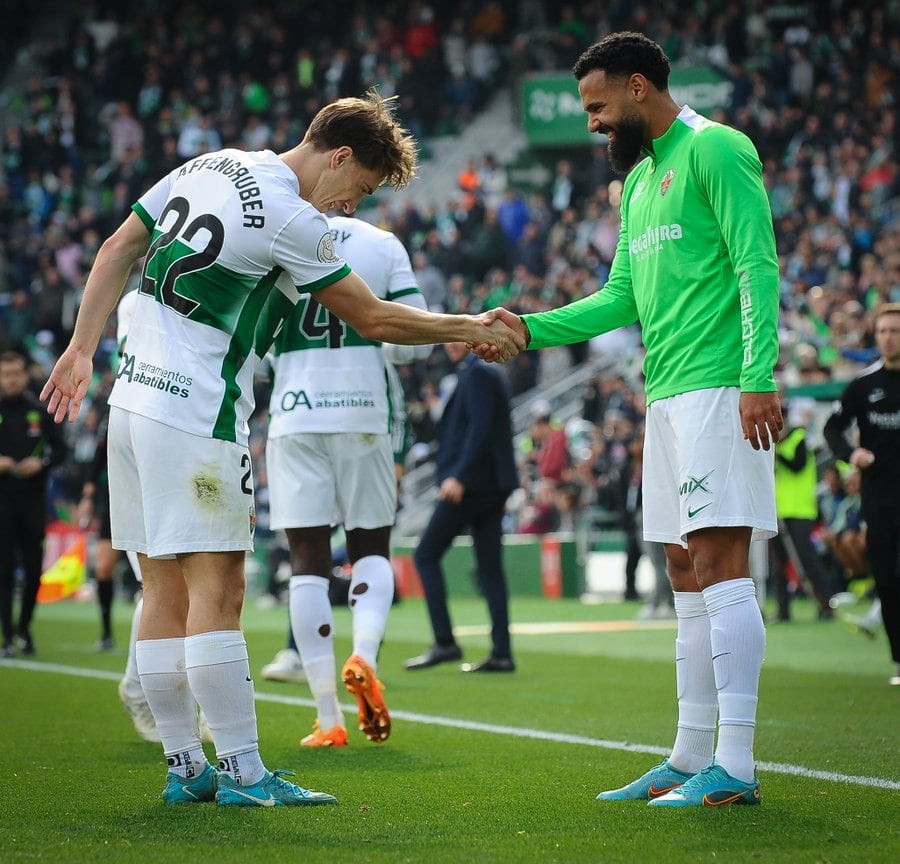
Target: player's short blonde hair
(367, 125)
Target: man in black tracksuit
(872, 399)
(30, 444)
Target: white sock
(163, 679)
(131, 681)
(872, 618)
(312, 622)
(738, 639)
(371, 595)
(218, 669)
(695, 685)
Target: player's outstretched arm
(68, 382)
(351, 300)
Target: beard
(626, 149)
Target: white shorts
(171, 491)
(699, 472)
(325, 478)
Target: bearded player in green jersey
(696, 265)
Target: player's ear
(638, 86)
(340, 155)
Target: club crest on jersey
(325, 250)
(666, 183)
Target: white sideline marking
(556, 628)
(491, 728)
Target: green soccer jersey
(695, 263)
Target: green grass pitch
(493, 768)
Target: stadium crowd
(117, 100)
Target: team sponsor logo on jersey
(149, 375)
(885, 421)
(297, 399)
(651, 239)
(666, 182)
(325, 250)
(876, 395)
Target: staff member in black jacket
(476, 470)
(872, 399)
(30, 444)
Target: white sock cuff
(155, 656)
(737, 709)
(689, 604)
(315, 581)
(729, 593)
(703, 717)
(217, 646)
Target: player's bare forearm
(351, 300)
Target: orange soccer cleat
(360, 680)
(336, 736)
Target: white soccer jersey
(233, 245)
(318, 389)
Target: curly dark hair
(622, 54)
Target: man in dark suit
(476, 471)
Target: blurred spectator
(845, 533)
(540, 515)
(546, 453)
(797, 507)
(432, 282)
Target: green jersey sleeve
(730, 174)
(611, 307)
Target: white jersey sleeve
(403, 288)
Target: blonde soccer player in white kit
(231, 240)
(330, 460)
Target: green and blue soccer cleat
(191, 790)
(271, 791)
(657, 781)
(712, 787)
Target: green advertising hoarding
(551, 111)
(552, 115)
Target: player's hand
(503, 319)
(499, 341)
(68, 384)
(761, 419)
